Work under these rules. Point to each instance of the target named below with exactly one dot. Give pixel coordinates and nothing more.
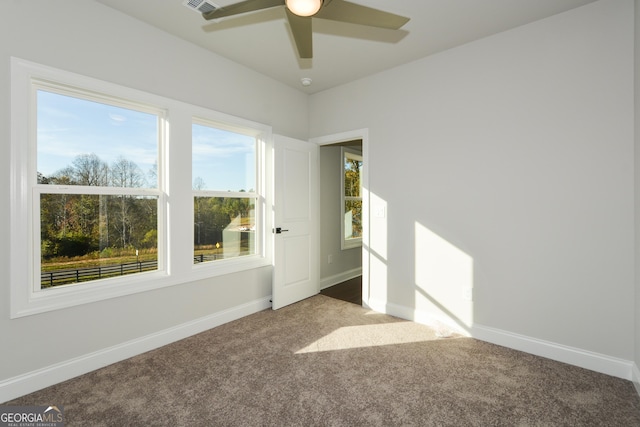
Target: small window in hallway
(351, 198)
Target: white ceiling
(342, 52)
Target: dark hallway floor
(350, 290)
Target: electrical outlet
(330, 259)
(467, 293)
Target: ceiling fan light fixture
(304, 7)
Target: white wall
(90, 39)
(346, 263)
(637, 194)
(507, 164)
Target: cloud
(117, 119)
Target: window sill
(61, 297)
(350, 244)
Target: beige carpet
(325, 362)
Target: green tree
(73, 223)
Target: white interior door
(296, 272)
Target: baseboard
(573, 356)
(635, 377)
(339, 278)
(45, 377)
(425, 318)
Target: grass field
(98, 259)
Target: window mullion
(112, 191)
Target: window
(108, 200)
(351, 194)
(224, 192)
(96, 192)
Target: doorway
(343, 272)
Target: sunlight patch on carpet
(349, 337)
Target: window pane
(352, 171)
(222, 160)
(87, 237)
(353, 219)
(82, 142)
(224, 227)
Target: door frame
(362, 134)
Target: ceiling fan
(300, 13)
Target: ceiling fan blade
(242, 7)
(302, 34)
(343, 11)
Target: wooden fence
(64, 277)
(52, 278)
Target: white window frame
(175, 242)
(262, 135)
(356, 242)
(40, 189)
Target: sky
(69, 127)
(223, 160)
